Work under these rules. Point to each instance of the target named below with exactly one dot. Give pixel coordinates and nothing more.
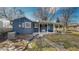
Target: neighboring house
(73, 27)
(5, 25)
(24, 25)
(77, 28)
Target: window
(56, 26)
(19, 25)
(23, 25)
(60, 26)
(35, 25)
(27, 24)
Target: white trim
(35, 25)
(27, 24)
(54, 29)
(39, 28)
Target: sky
(29, 11)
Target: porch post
(47, 27)
(58, 27)
(39, 28)
(54, 29)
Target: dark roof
(23, 18)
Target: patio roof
(47, 22)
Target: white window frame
(35, 25)
(27, 24)
(23, 25)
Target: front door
(43, 28)
(50, 28)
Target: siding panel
(21, 30)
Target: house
(24, 25)
(5, 25)
(73, 27)
(77, 28)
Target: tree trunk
(65, 27)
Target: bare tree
(3, 12)
(11, 12)
(67, 13)
(44, 13)
(18, 12)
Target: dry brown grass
(70, 41)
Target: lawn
(62, 42)
(53, 42)
(69, 41)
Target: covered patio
(44, 27)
